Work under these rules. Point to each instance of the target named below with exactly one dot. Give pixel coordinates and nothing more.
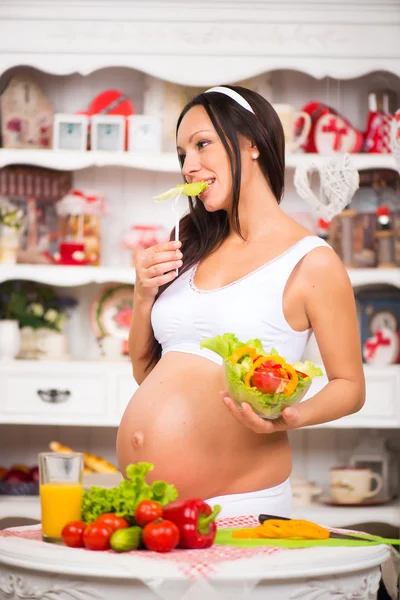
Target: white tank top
(250, 307)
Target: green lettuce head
(267, 406)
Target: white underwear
(276, 500)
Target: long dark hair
(202, 232)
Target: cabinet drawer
(40, 394)
(382, 392)
(381, 408)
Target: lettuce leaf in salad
(188, 189)
(224, 345)
(308, 368)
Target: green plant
(34, 305)
(11, 216)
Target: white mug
(289, 115)
(303, 493)
(352, 485)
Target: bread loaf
(92, 463)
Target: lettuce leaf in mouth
(188, 189)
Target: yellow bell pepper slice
(293, 529)
(242, 351)
(294, 380)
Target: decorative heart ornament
(339, 179)
(395, 138)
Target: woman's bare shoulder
(323, 265)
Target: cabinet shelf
(67, 276)
(70, 276)
(73, 160)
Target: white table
(31, 569)
(334, 516)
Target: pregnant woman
(245, 267)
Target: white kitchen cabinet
(65, 393)
(298, 51)
(382, 407)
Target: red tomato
(148, 511)
(161, 536)
(97, 537)
(266, 381)
(270, 364)
(72, 534)
(112, 520)
(300, 373)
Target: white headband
(232, 94)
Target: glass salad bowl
(266, 406)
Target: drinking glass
(60, 475)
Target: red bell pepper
(195, 520)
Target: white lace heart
(339, 179)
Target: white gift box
(70, 132)
(144, 133)
(107, 133)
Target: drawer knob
(54, 396)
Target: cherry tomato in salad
(148, 511)
(97, 537)
(112, 520)
(161, 536)
(72, 534)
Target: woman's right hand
(156, 266)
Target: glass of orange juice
(60, 475)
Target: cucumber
(126, 539)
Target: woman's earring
(255, 155)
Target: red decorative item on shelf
(80, 215)
(382, 348)
(377, 135)
(330, 132)
(112, 102)
(383, 214)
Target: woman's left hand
(247, 417)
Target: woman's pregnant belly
(178, 422)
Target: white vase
(9, 244)
(10, 339)
(52, 345)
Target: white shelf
(361, 161)
(27, 507)
(343, 516)
(359, 277)
(69, 276)
(72, 160)
(333, 516)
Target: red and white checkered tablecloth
(192, 563)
